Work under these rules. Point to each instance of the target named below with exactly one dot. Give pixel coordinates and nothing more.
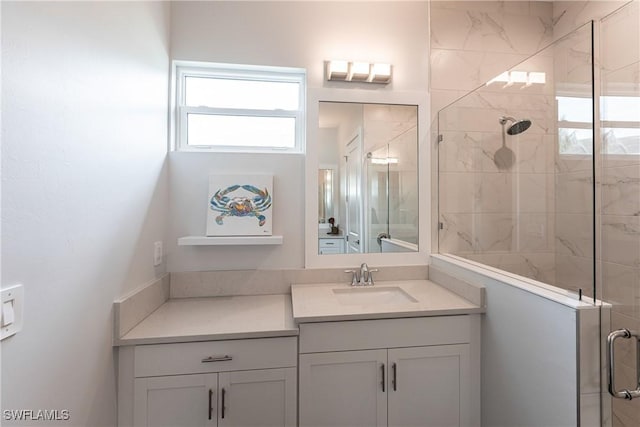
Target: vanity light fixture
(337, 70)
(363, 72)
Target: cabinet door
(429, 386)
(262, 398)
(181, 400)
(343, 389)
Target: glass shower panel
(391, 162)
(574, 159)
(620, 218)
(378, 197)
(509, 195)
(403, 175)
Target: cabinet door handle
(382, 382)
(224, 358)
(210, 404)
(222, 404)
(394, 368)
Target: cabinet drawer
(330, 243)
(385, 333)
(214, 356)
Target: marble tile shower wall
(503, 218)
(620, 74)
(474, 41)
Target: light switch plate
(157, 254)
(11, 299)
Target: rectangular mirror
(367, 178)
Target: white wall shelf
(229, 240)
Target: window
(575, 125)
(239, 108)
(619, 116)
(621, 124)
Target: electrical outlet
(157, 254)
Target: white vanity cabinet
(248, 382)
(330, 245)
(393, 372)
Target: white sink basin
(373, 295)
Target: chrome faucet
(364, 277)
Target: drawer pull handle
(224, 358)
(383, 377)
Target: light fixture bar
(363, 72)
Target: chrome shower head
(517, 127)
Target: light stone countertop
(215, 318)
(319, 303)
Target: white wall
(292, 34)
(85, 190)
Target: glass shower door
(620, 219)
(377, 203)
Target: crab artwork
(241, 206)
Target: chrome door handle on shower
(624, 393)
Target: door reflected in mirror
(367, 178)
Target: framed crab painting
(240, 205)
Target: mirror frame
(312, 258)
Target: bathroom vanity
(410, 355)
(395, 353)
(224, 361)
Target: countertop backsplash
(265, 282)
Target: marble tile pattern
(474, 41)
(484, 217)
(501, 217)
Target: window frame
(184, 69)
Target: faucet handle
(370, 276)
(354, 277)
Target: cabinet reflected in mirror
(367, 178)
